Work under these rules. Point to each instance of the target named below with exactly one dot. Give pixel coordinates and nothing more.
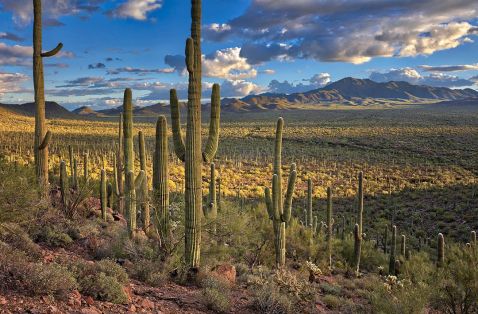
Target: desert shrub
(53, 236)
(18, 238)
(269, 299)
(390, 295)
(215, 293)
(456, 288)
(151, 272)
(330, 289)
(333, 302)
(370, 258)
(102, 280)
(300, 241)
(19, 272)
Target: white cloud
(11, 82)
(285, 87)
(136, 9)
(449, 68)
(239, 88)
(228, 64)
(412, 76)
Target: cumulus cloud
(53, 9)
(449, 68)
(136, 9)
(412, 76)
(228, 64)
(349, 30)
(12, 82)
(316, 81)
(139, 71)
(239, 88)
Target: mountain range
(348, 91)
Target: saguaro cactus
(210, 211)
(42, 135)
(280, 211)
(103, 194)
(85, 167)
(440, 250)
(360, 203)
(75, 174)
(473, 238)
(403, 245)
(391, 265)
(63, 183)
(357, 249)
(144, 187)
(330, 226)
(309, 219)
(130, 192)
(190, 152)
(161, 179)
(119, 184)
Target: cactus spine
(144, 187)
(330, 226)
(130, 192)
(63, 183)
(309, 219)
(391, 265)
(103, 194)
(357, 249)
(280, 211)
(191, 151)
(161, 179)
(441, 250)
(42, 135)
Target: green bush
(18, 238)
(216, 294)
(370, 258)
(268, 299)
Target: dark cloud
(177, 62)
(98, 65)
(449, 68)
(11, 36)
(350, 30)
(139, 71)
(316, 81)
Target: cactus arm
(52, 52)
(289, 195)
(213, 139)
(176, 125)
(46, 141)
(267, 196)
(275, 197)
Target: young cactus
(85, 167)
(330, 222)
(403, 245)
(357, 249)
(161, 180)
(190, 152)
(75, 175)
(280, 211)
(103, 194)
(441, 250)
(309, 218)
(144, 195)
(42, 135)
(391, 265)
(473, 238)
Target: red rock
(132, 308)
(129, 293)
(89, 300)
(90, 310)
(74, 298)
(3, 301)
(226, 272)
(147, 304)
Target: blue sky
(249, 46)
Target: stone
(89, 300)
(227, 272)
(147, 304)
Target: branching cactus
(279, 210)
(357, 249)
(330, 225)
(440, 250)
(42, 135)
(190, 152)
(309, 219)
(130, 201)
(103, 194)
(161, 180)
(144, 195)
(391, 265)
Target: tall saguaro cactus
(309, 218)
(144, 187)
(191, 152)
(130, 202)
(280, 211)
(360, 203)
(42, 135)
(393, 245)
(119, 184)
(103, 194)
(161, 179)
(357, 249)
(330, 226)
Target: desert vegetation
(376, 213)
